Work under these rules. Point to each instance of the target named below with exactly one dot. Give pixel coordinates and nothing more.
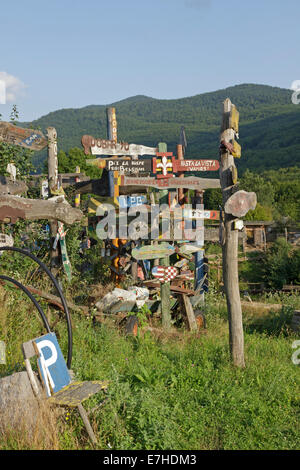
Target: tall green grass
(178, 390)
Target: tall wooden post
(77, 196)
(230, 244)
(53, 186)
(165, 287)
(113, 176)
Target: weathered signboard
(189, 248)
(197, 214)
(190, 182)
(164, 273)
(195, 165)
(109, 147)
(240, 203)
(27, 138)
(128, 166)
(153, 251)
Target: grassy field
(173, 390)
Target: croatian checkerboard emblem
(164, 273)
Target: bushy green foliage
(282, 264)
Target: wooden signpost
(132, 201)
(109, 147)
(191, 182)
(27, 138)
(229, 131)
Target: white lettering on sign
(46, 363)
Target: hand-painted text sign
(162, 165)
(240, 203)
(108, 147)
(28, 138)
(197, 214)
(153, 251)
(52, 366)
(164, 273)
(190, 182)
(132, 201)
(195, 165)
(128, 166)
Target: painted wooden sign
(27, 138)
(52, 367)
(128, 166)
(153, 251)
(191, 182)
(240, 203)
(132, 201)
(189, 248)
(195, 165)
(164, 273)
(109, 147)
(197, 214)
(163, 165)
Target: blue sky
(72, 53)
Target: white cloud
(14, 86)
(295, 85)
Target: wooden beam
(56, 208)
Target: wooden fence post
(230, 244)
(53, 186)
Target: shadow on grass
(273, 323)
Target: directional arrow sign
(192, 182)
(28, 138)
(109, 147)
(195, 165)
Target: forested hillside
(269, 124)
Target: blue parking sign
(51, 363)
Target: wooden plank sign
(153, 251)
(197, 214)
(189, 248)
(128, 166)
(240, 203)
(52, 367)
(109, 147)
(191, 182)
(164, 273)
(195, 165)
(27, 138)
(132, 201)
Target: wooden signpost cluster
(130, 171)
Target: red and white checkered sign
(164, 273)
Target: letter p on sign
(52, 366)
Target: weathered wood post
(77, 180)
(53, 186)
(229, 130)
(113, 176)
(165, 287)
